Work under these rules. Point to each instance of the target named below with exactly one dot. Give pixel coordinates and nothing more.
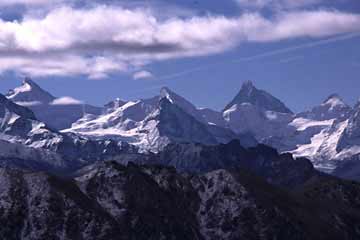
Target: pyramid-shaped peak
(29, 91)
(248, 85)
(261, 99)
(166, 93)
(173, 97)
(28, 80)
(29, 85)
(248, 88)
(181, 102)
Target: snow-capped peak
(181, 102)
(258, 98)
(29, 91)
(334, 100)
(166, 93)
(27, 86)
(30, 82)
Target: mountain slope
(333, 107)
(29, 93)
(327, 140)
(113, 201)
(54, 113)
(326, 134)
(28, 143)
(264, 161)
(153, 123)
(169, 123)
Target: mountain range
(327, 134)
(161, 168)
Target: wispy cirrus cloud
(104, 39)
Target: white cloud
(314, 24)
(142, 75)
(66, 101)
(102, 40)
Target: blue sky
(300, 51)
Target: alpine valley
(161, 168)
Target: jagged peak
(29, 91)
(165, 92)
(181, 102)
(334, 100)
(332, 97)
(164, 101)
(248, 86)
(29, 81)
(259, 98)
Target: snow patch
(301, 124)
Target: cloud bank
(101, 40)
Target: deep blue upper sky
(302, 71)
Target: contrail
(252, 58)
(299, 47)
(291, 59)
(185, 72)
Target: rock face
(264, 161)
(113, 201)
(43, 104)
(169, 123)
(37, 206)
(17, 121)
(212, 117)
(258, 98)
(351, 135)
